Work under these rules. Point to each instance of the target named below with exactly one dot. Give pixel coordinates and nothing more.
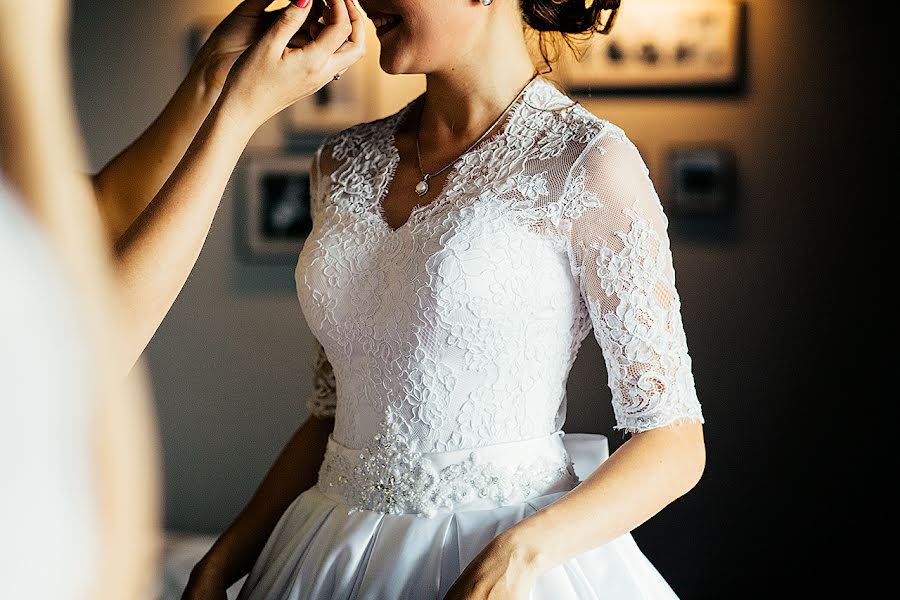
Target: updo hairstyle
(571, 20)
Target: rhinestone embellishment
(391, 477)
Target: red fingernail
(301, 3)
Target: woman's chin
(393, 64)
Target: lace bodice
(463, 323)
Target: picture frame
(336, 106)
(664, 47)
(273, 212)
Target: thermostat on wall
(702, 181)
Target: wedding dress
(444, 346)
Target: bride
(462, 249)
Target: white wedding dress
(445, 345)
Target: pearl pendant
(422, 188)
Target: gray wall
(231, 362)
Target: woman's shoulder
(339, 146)
(586, 126)
(571, 128)
(344, 143)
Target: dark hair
(572, 19)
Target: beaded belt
(387, 476)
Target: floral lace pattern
(462, 324)
(323, 400)
(389, 476)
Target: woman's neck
(462, 100)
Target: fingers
(315, 28)
(300, 39)
(317, 10)
(307, 32)
(356, 43)
(325, 49)
(352, 45)
(286, 26)
(355, 46)
(336, 31)
(312, 27)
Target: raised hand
(241, 28)
(271, 75)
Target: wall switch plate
(703, 181)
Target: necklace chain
(422, 186)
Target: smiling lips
(384, 22)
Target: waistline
(388, 476)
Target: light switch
(703, 181)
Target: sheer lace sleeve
(323, 400)
(616, 234)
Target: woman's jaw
(460, 40)
(398, 36)
(421, 36)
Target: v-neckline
(390, 147)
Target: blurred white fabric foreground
(49, 547)
(182, 550)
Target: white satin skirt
(326, 547)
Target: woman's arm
(157, 252)
(638, 480)
(127, 184)
(619, 247)
(615, 233)
(41, 152)
(295, 470)
(623, 265)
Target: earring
(486, 2)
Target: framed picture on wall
(337, 105)
(659, 46)
(273, 214)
